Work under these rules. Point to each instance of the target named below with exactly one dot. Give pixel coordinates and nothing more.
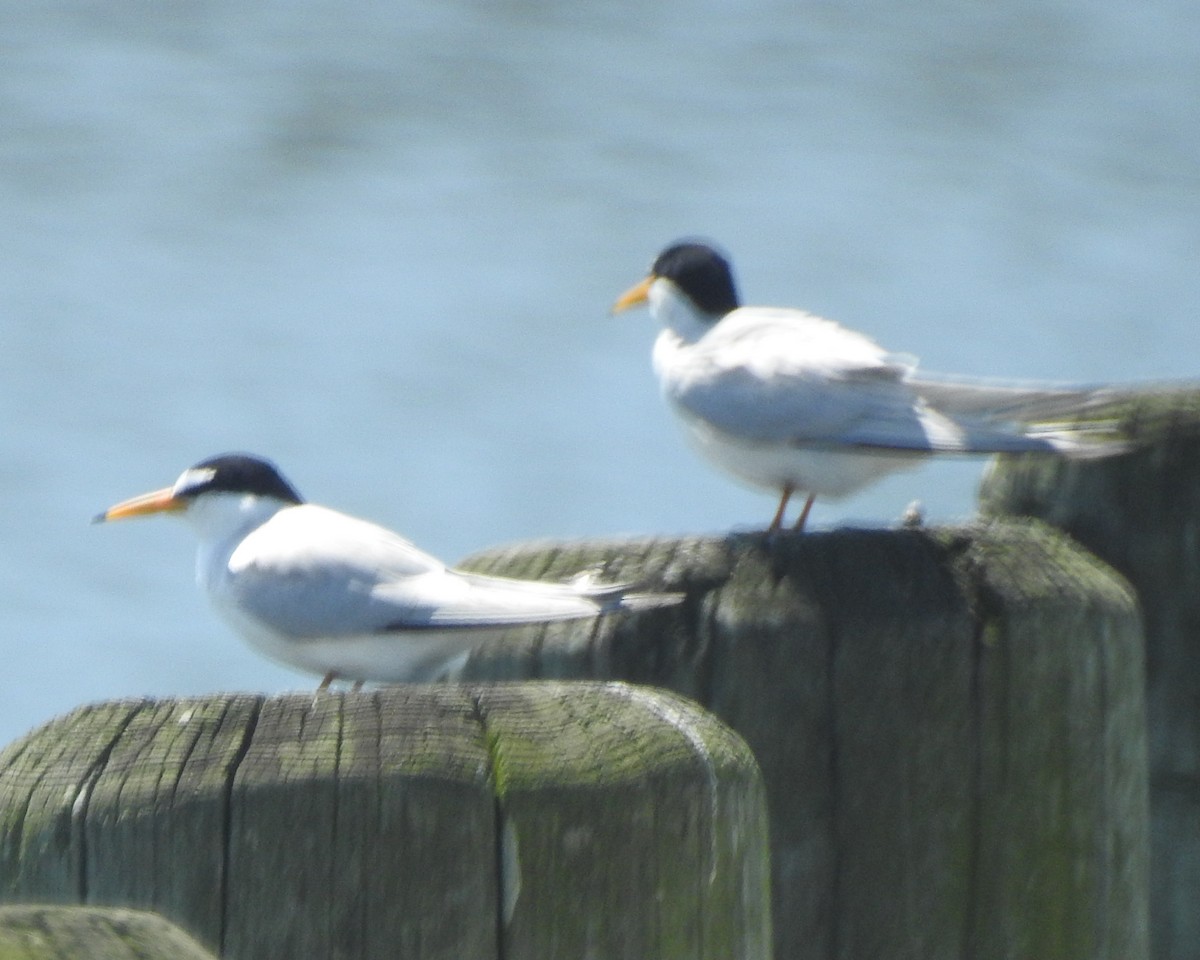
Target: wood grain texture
(438, 821)
(948, 722)
(92, 933)
(1141, 514)
(601, 820)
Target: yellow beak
(633, 297)
(157, 501)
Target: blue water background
(377, 242)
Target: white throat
(221, 521)
(676, 312)
(222, 516)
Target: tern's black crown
(238, 473)
(702, 273)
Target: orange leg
(783, 502)
(804, 513)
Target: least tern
(789, 401)
(340, 597)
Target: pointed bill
(157, 501)
(635, 296)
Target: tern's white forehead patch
(193, 477)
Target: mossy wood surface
(1141, 514)
(949, 723)
(443, 821)
(57, 932)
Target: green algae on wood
(633, 819)
(41, 932)
(948, 724)
(430, 821)
(1141, 514)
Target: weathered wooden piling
(949, 722)
(92, 933)
(63, 933)
(444, 821)
(1141, 514)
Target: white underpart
(831, 473)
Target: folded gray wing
(798, 404)
(458, 599)
(1025, 402)
(874, 407)
(312, 572)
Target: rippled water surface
(378, 243)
